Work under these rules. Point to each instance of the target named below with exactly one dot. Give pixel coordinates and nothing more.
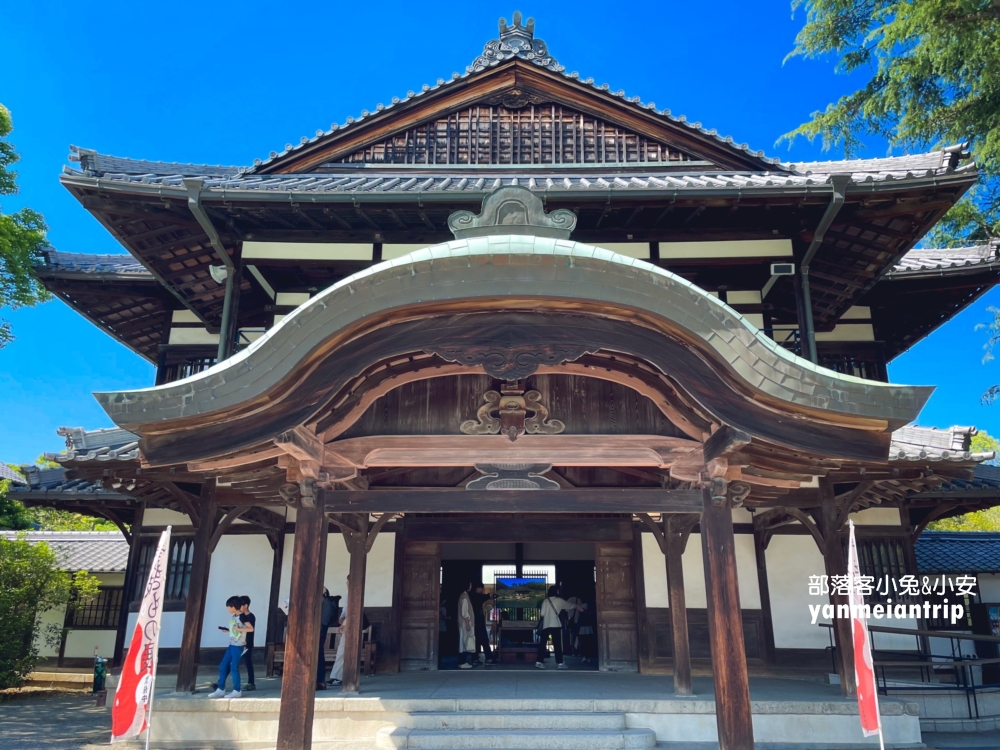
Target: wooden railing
(862, 359)
(178, 361)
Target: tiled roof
(92, 161)
(98, 266)
(586, 179)
(10, 475)
(95, 551)
(53, 481)
(949, 258)
(106, 444)
(958, 552)
(912, 443)
(496, 53)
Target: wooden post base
(725, 628)
(298, 682)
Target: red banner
(864, 669)
(134, 695)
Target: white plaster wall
(655, 573)
(52, 617)
(80, 643)
(241, 565)
(989, 587)
(164, 517)
(378, 573)
(791, 559)
(876, 517)
(171, 629)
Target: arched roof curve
(291, 372)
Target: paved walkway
(54, 722)
(73, 722)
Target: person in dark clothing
(328, 618)
(479, 597)
(246, 616)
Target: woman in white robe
(466, 630)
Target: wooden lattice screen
(535, 134)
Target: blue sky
(224, 83)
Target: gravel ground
(61, 721)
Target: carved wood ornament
(512, 406)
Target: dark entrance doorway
(569, 566)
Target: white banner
(130, 714)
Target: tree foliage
(981, 520)
(22, 237)
(32, 583)
(934, 80)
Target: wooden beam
(810, 525)
(471, 450)
(131, 571)
(836, 565)
(298, 683)
(676, 530)
(301, 444)
(724, 442)
(760, 554)
(604, 500)
(223, 526)
(194, 610)
(187, 501)
(725, 628)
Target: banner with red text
(134, 696)
(864, 670)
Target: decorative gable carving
(516, 127)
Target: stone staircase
(515, 730)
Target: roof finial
(512, 210)
(515, 41)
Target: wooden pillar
(675, 542)
(356, 543)
(760, 552)
(725, 627)
(194, 611)
(277, 540)
(836, 565)
(298, 682)
(131, 572)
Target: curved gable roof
(267, 388)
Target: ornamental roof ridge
(517, 41)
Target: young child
(248, 618)
(237, 632)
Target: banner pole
(156, 663)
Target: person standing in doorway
(246, 616)
(327, 617)
(479, 597)
(552, 626)
(466, 630)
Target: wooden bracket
(657, 531)
(800, 516)
(302, 444)
(224, 525)
(724, 442)
(849, 498)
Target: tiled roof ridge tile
(915, 443)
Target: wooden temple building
(511, 312)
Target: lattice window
(99, 613)
(881, 557)
(178, 568)
(536, 134)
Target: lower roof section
(451, 299)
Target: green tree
(32, 583)
(22, 237)
(15, 516)
(981, 520)
(933, 79)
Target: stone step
(506, 739)
(519, 720)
